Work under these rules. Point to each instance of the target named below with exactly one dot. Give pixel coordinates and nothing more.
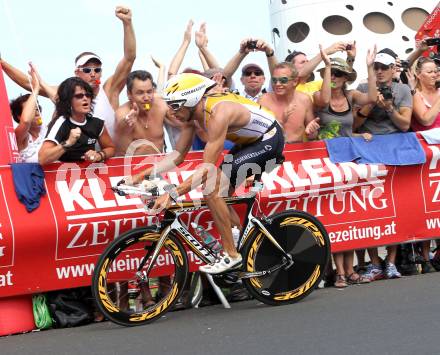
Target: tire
(303, 237)
(115, 275)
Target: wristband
(350, 59)
(271, 54)
(102, 154)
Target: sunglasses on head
(337, 73)
(380, 66)
(175, 105)
(81, 95)
(88, 70)
(281, 80)
(255, 72)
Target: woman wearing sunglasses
(333, 105)
(73, 132)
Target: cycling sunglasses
(81, 95)
(175, 105)
(88, 70)
(281, 80)
(255, 72)
(337, 73)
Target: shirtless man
(141, 118)
(259, 145)
(292, 109)
(88, 66)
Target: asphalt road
(385, 317)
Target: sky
(51, 33)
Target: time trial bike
(284, 258)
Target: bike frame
(205, 254)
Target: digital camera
(386, 92)
(404, 64)
(433, 41)
(252, 45)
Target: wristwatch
(270, 54)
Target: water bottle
(236, 235)
(207, 238)
(133, 292)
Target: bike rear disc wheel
(120, 288)
(304, 238)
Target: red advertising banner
(361, 206)
(8, 144)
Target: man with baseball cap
(88, 66)
(390, 114)
(252, 78)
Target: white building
(303, 24)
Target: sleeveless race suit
(258, 145)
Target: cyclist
(259, 144)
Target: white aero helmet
(186, 89)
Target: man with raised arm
(88, 66)
(259, 144)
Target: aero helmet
(186, 89)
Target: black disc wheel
(301, 236)
(123, 290)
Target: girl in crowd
(333, 105)
(426, 115)
(74, 132)
(27, 113)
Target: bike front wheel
(124, 292)
(301, 236)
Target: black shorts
(260, 156)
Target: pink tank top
(416, 126)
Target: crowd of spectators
(89, 124)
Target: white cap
(384, 59)
(84, 58)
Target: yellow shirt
(310, 87)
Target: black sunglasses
(80, 96)
(88, 70)
(380, 66)
(337, 73)
(255, 72)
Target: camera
(386, 92)
(432, 41)
(404, 65)
(251, 45)
(348, 47)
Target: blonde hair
(287, 65)
(418, 68)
